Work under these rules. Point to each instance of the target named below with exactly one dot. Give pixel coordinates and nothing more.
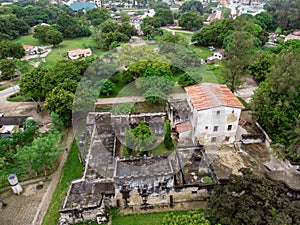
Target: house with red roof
(215, 113)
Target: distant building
(216, 15)
(79, 53)
(33, 50)
(11, 124)
(215, 113)
(294, 36)
(136, 19)
(75, 6)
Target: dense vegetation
(29, 153)
(277, 102)
(249, 199)
(55, 85)
(138, 140)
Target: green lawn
(161, 149)
(60, 52)
(18, 98)
(202, 51)
(71, 170)
(155, 218)
(28, 40)
(188, 36)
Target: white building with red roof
(215, 113)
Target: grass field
(140, 219)
(18, 98)
(60, 52)
(188, 36)
(71, 170)
(28, 40)
(161, 149)
(154, 218)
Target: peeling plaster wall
(214, 122)
(184, 195)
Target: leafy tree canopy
(11, 49)
(191, 218)
(139, 139)
(191, 6)
(249, 199)
(285, 13)
(190, 21)
(214, 33)
(276, 103)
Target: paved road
(9, 91)
(13, 108)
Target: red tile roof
(182, 127)
(209, 95)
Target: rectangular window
(226, 138)
(218, 112)
(206, 127)
(229, 127)
(215, 128)
(213, 139)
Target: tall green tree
(98, 15)
(261, 66)
(41, 153)
(7, 69)
(106, 87)
(238, 51)
(276, 103)
(191, 6)
(11, 49)
(215, 33)
(60, 102)
(285, 13)
(54, 37)
(190, 21)
(40, 32)
(139, 139)
(165, 16)
(31, 83)
(156, 84)
(168, 136)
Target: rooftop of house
(79, 51)
(13, 120)
(75, 6)
(28, 47)
(87, 193)
(217, 15)
(208, 95)
(143, 167)
(182, 127)
(296, 32)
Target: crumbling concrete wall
(252, 138)
(186, 194)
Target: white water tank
(14, 184)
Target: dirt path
(55, 177)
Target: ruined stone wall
(267, 140)
(187, 194)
